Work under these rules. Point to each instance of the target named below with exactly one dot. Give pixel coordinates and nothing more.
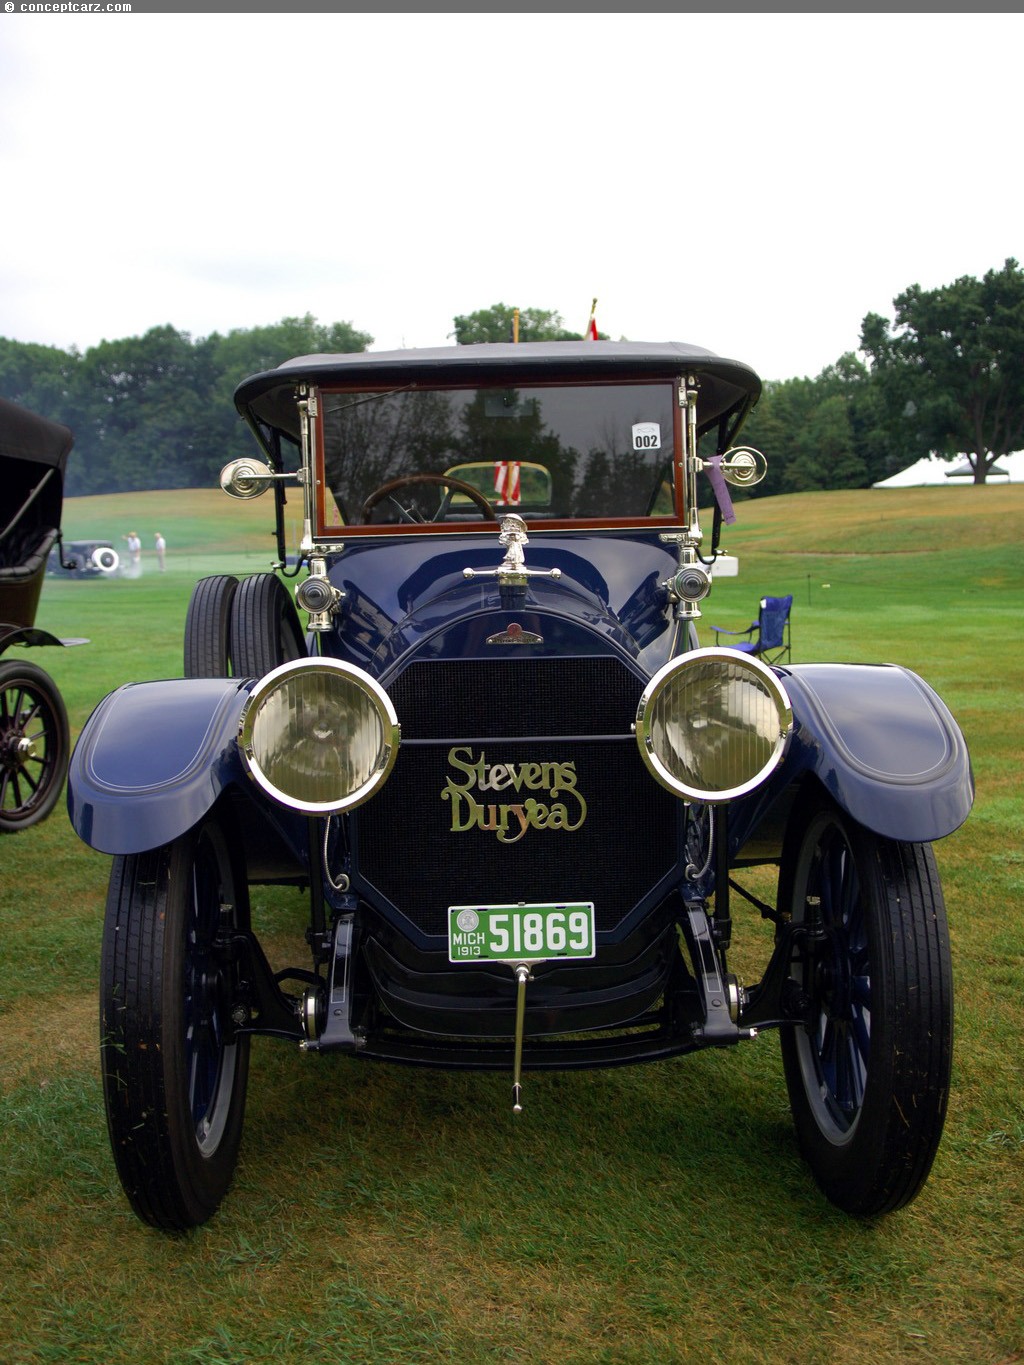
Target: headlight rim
(656, 686)
(390, 728)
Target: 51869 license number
(520, 933)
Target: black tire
(265, 628)
(208, 627)
(34, 746)
(868, 1071)
(174, 1076)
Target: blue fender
(152, 759)
(883, 744)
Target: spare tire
(265, 627)
(208, 626)
(106, 559)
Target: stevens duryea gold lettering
(508, 819)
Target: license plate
(520, 933)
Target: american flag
(506, 482)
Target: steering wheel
(387, 490)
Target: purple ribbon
(713, 469)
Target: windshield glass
(549, 453)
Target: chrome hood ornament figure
(513, 537)
(512, 571)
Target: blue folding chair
(772, 626)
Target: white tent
(932, 470)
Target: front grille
(475, 814)
(508, 697)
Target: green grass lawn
(645, 1214)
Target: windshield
(566, 453)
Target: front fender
(31, 635)
(883, 744)
(152, 759)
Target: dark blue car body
(517, 637)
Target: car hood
(607, 596)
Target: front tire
(868, 1069)
(34, 746)
(174, 1074)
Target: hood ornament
(512, 571)
(513, 536)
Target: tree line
(945, 375)
(157, 411)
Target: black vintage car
(84, 559)
(519, 793)
(34, 743)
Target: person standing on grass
(161, 550)
(134, 553)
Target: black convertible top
(33, 456)
(25, 436)
(728, 388)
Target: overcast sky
(752, 184)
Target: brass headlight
(319, 735)
(713, 724)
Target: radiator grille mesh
(510, 696)
(477, 814)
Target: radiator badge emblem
(515, 635)
(563, 806)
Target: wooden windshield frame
(324, 532)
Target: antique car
(84, 559)
(34, 738)
(519, 794)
